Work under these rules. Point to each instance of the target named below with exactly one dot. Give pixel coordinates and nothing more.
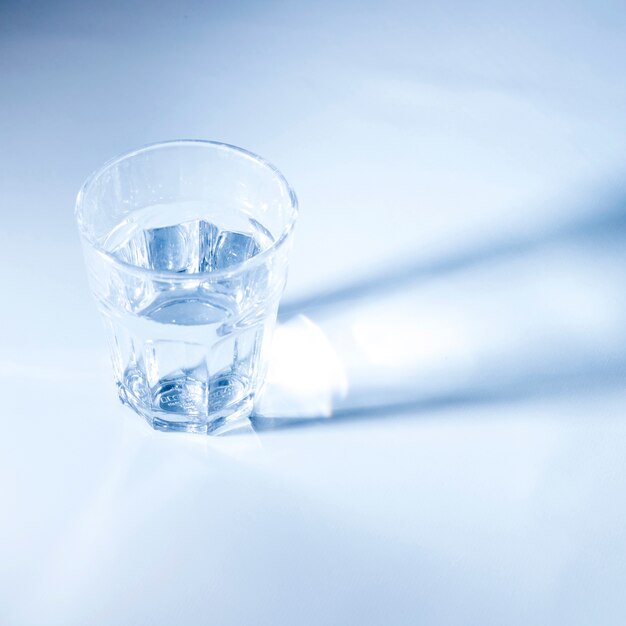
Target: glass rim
(170, 274)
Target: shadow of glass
(539, 315)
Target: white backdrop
(409, 131)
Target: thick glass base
(214, 423)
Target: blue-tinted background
(443, 435)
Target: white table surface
(409, 130)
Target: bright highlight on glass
(186, 245)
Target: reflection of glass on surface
(544, 316)
(186, 246)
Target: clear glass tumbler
(186, 246)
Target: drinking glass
(186, 246)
